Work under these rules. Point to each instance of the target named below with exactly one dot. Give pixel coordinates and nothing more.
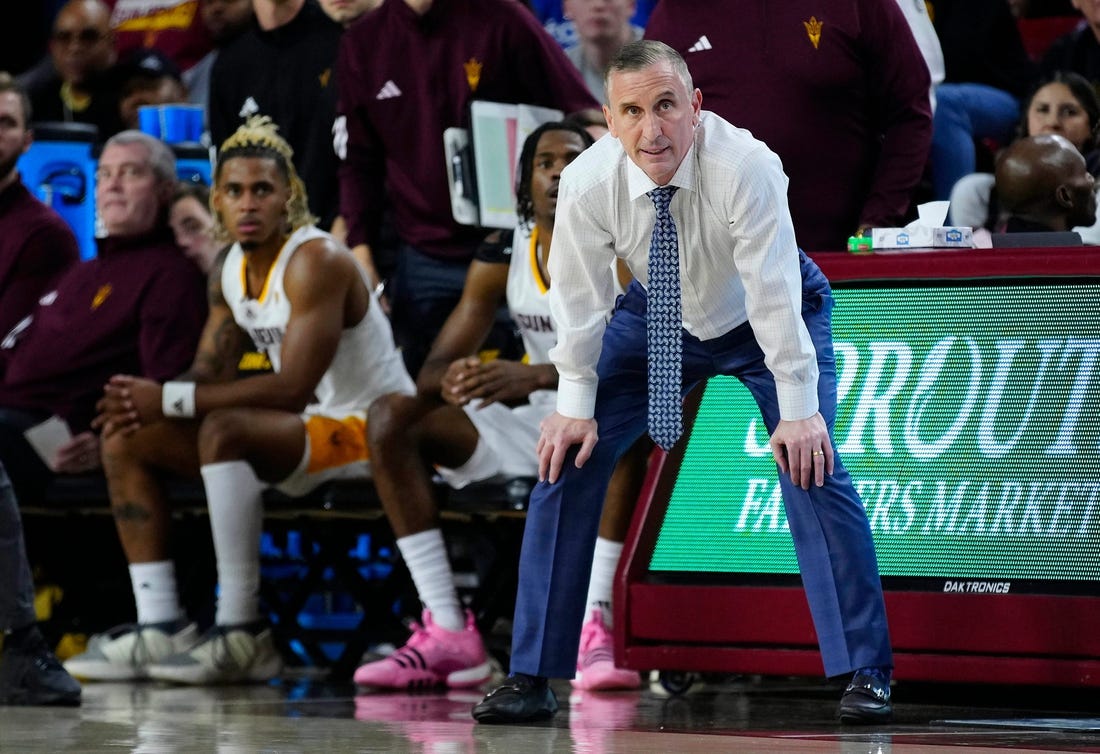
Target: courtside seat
(333, 582)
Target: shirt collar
(638, 183)
(158, 236)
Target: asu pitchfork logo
(473, 73)
(813, 30)
(101, 296)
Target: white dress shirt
(738, 257)
(916, 13)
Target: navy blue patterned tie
(664, 321)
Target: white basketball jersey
(366, 365)
(529, 304)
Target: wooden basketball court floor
(300, 713)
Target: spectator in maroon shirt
(36, 245)
(404, 75)
(838, 90)
(137, 307)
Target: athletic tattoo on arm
(222, 342)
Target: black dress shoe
(866, 701)
(521, 698)
(32, 675)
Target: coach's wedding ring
(818, 453)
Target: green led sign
(969, 418)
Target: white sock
(155, 592)
(605, 559)
(234, 498)
(425, 555)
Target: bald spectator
(82, 50)
(602, 26)
(1043, 183)
(1063, 104)
(225, 20)
(344, 12)
(987, 74)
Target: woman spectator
(1063, 103)
(193, 225)
(988, 74)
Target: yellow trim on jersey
(336, 442)
(254, 361)
(536, 270)
(267, 279)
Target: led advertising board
(969, 419)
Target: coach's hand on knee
(802, 448)
(559, 434)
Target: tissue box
(922, 237)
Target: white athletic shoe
(124, 653)
(225, 654)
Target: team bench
(333, 583)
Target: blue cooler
(180, 127)
(59, 169)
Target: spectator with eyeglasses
(82, 50)
(137, 307)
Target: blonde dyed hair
(259, 137)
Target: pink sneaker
(596, 669)
(432, 657)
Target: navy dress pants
(832, 538)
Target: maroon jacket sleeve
(172, 317)
(362, 169)
(899, 82)
(47, 252)
(523, 64)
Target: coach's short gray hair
(634, 56)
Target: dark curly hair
(525, 205)
(1081, 90)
